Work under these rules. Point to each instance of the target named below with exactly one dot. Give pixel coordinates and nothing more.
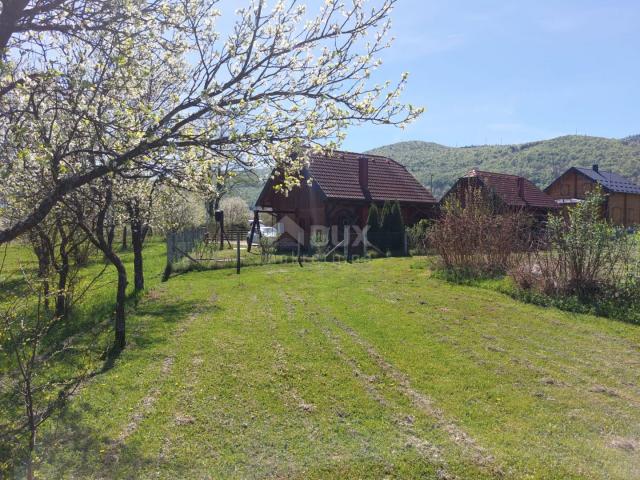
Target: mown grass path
(369, 370)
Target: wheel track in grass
(146, 406)
(567, 365)
(431, 453)
(559, 365)
(563, 365)
(479, 455)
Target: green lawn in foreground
(95, 290)
(369, 370)
(89, 324)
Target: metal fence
(181, 244)
(195, 242)
(199, 248)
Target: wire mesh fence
(202, 249)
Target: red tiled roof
(338, 177)
(507, 188)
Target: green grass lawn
(369, 370)
(94, 292)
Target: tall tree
(93, 207)
(155, 86)
(373, 222)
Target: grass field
(369, 370)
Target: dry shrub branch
(476, 237)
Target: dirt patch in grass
(181, 419)
(552, 381)
(625, 443)
(605, 390)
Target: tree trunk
(120, 306)
(107, 249)
(124, 237)
(121, 297)
(63, 274)
(43, 268)
(137, 241)
(31, 422)
(111, 233)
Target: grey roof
(610, 181)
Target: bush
(474, 239)
(584, 263)
(236, 212)
(373, 222)
(268, 249)
(386, 228)
(418, 237)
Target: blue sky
(513, 71)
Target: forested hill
(540, 161)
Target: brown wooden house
(510, 192)
(342, 187)
(622, 195)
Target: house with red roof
(338, 188)
(510, 192)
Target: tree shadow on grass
(70, 442)
(72, 447)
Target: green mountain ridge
(539, 161)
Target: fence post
(405, 242)
(364, 246)
(238, 254)
(170, 246)
(347, 241)
(299, 251)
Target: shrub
(474, 239)
(390, 237)
(268, 249)
(584, 260)
(236, 212)
(373, 222)
(418, 237)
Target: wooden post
(238, 254)
(364, 246)
(256, 220)
(220, 219)
(406, 243)
(171, 242)
(347, 240)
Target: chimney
(363, 173)
(521, 188)
(595, 168)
